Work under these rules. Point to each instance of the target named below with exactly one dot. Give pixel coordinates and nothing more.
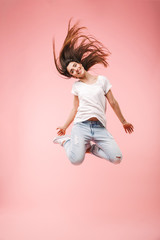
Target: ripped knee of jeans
(117, 159)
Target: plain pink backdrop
(44, 196)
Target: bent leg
(106, 147)
(76, 147)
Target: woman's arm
(115, 106)
(71, 117)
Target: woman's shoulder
(104, 81)
(76, 83)
(102, 77)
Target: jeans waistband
(93, 122)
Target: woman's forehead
(70, 65)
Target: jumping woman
(78, 54)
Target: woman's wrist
(64, 127)
(124, 121)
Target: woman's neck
(88, 77)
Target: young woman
(78, 54)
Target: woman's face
(76, 69)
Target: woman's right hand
(61, 131)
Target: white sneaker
(61, 139)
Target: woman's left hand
(128, 127)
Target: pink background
(44, 196)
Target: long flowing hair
(80, 48)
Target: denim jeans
(82, 134)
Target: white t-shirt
(92, 100)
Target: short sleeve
(74, 90)
(106, 85)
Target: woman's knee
(76, 160)
(116, 159)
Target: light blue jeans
(82, 133)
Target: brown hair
(77, 47)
